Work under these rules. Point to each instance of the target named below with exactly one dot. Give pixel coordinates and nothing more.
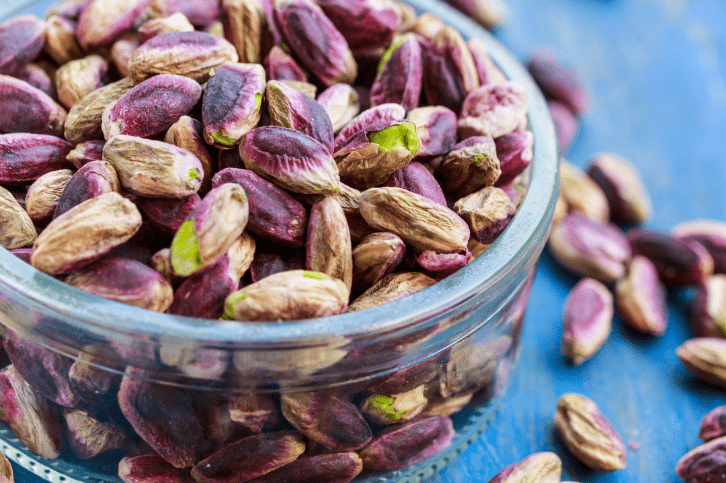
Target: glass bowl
(464, 330)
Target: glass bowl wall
(470, 322)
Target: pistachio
(422, 223)
(279, 65)
(310, 90)
(269, 262)
(449, 72)
(566, 125)
(703, 463)
(328, 248)
(31, 417)
(88, 436)
(43, 195)
(427, 25)
(168, 214)
(487, 212)
(587, 320)
(705, 358)
(542, 467)
(472, 366)
(327, 418)
(61, 43)
(341, 103)
(244, 22)
(325, 468)
(290, 159)
(87, 378)
(26, 157)
(436, 130)
(489, 13)
(582, 193)
(122, 50)
(176, 22)
(26, 109)
(150, 468)
(709, 233)
(203, 294)
(85, 119)
(641, 297)
(201, 13)
(708, 309)
(254, 411)
(151, 107)
(161, 262)
(446, 406)
(292, 109)
(400, 74)
(210, 229)
(678, 262)
(493, 110)
(290, 295)
(70, 9)
(21, 40)
(391, 288)
(414, 177)
(387, 409)
(328, 56)
(405, 445)
(488, 72)
(85, 233)
(514, 151)
(375, 153)
(620, 182)
(377, 255)
(558, 81)
(6, 470)
(102, 21)
(470, 166)
(18, 229)
(78, 78)
(367, 118)
(187, 133)
(262, 454)
(86, 152)
(232, 102)
(93, 179)
(590, 249)
(366, 25)
(191, 54)
(713, 424)
(153, 168)
(560, 209)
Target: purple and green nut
(487, 212)
(514, 151)
(493, 110)
(86, 152)
(620, 181)
(471, 165)
(327, 418)
(261, 454)
(414, 177)
(679, 262)
(385, 409)
(151, 107)
(328, 247)
(232, 102)
(405, 445)
(436, 130)
(168, 214)
(187, 133)
(85, 119)
(210, 229)
(587, 320)
(488, 71)
(26, 109)
(93, 179)
(641, 297)
(77, 78)
(290, 159)
(709, 233)
(21, 40)
(441, 265)
(342, 104)
(203, 294)
(369, 117)
(400, 74)
(315, 41)
(375, 153)
(291, 108)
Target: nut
(244, 22)
(641, 298)
(471, 165)
(489, 13)
(201, 13)
(290, 159)
(488, 72)
(620, 182)
(566, 125)
(709, 233)
(26, 109)
(705, 358)
(254, 411)
(328, 57)
(153, 168)
(387, 409)
(43, 195)
(6, 470)
(589, 248)
(269, 262)
(210, 229)
(582, 194)
(102, 21)
(232, 102)
(328, 248)
(327, 468)
(126, 281)
(542, 467)
(186, 133)
(76, 79)
(327, 418)
(85, 119)
(88, 436)
(366, 25)
(289, 295)
(263, 453)
(61, 43)
(514, 151)
(713, 424)
(391, 288)
(708, 309)
(86, 152)
(342, 104)
(93, 179)
(176, 22)
(703, 463)
(151, 107)
(21, 40)
(168, 214)
(400, 74)
(85, 233)
(87, 379)
(487, 212)
(367, 118)
(678, 262)
(408, 444)
(36, 76)
(376, 256)
(587, 434)
(122, 50)
(446, 406)
(150, 467)
(191, 54)
(18, 229)
(279, 65)
(414, 177)
(587, 320)
(435, 128)
(420, 222)
(493, 110)
(203, 294)
(558, 81)
(26, 157)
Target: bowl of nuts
(261, 241)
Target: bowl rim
(91, 314)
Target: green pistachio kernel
(193, 174)
(184, 253)
(399, 135)
(384, 404)
(222, 139)
(258, 101)
(231, 302)
(315, 275)
(387, 55)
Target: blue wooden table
(657, 75)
